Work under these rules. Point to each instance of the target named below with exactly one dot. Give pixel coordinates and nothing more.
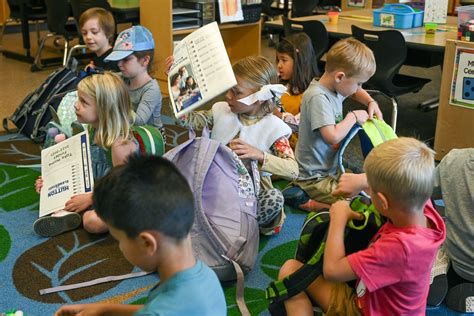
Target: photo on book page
(66, 170)
(201, 70)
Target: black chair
(62, 26)
(390, 52)
(25, 11)
(303, 7)
(316, 31)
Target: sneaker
(461, 298)
(438, 278)
(49, 226)
(295, 196)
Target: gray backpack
(225, 232)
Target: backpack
(311, 246)
(225, 233)
(32, 115)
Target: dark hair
(144, 53)
(105, 19)
(147, 193)
(193, 86)
(298, 46)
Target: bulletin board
(455, 122)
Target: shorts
(343, 301)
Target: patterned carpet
(29, 263)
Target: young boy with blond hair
(151, 220)
(393, 273)
(349, 64)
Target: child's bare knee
(288, 268)
(93, 224)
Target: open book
(201, 70)
(66, 170)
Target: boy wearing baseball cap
(134, 50)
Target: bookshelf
(241, 40)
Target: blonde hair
(402, 169)
(257, 71)
(352, 57)
(114, 108)
(105, 19)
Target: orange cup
(333, 17)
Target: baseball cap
(134, 39)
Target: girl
(104, 104)
(297, 66)
(245, 123)
(97, 26)
(134, 50)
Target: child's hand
(79, 203)
(350, 184)
(38, 184)
(246, 151)
(168, 63)
(89, 66)
(80, 309)
(374, 109)
(361, 116)
(340, 212)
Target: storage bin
(465, 22)
(399, 16)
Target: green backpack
(311, 249)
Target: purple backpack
(225, 232)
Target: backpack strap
(149, 139)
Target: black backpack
(33, 113)
(311, 249)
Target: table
(414, 37)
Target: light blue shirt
(319, 107)
(195, 291)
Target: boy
(149, 208)
(134, 50)
(349, 64)
(393, 273)
(97, 27)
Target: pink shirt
(394, 271)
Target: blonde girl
(245, 123)
(104, 104)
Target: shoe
(295, 196)
(50, 226)
(461, 298)
(438, 278)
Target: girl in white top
(245, 123)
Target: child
(296, 63)
(393, 273)
(245, 123)
(103, 104)
(349, 64)
(134, 50)
(455, 177)
(151, 220)
(97, 26)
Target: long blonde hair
(257, 71)
(113, 105)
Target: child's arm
(350, 184)
(121, 150)
(98, 309)
(38, 184)
(336, 267)
(363, 97)
(333, 134)
(149, 102)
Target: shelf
(185, 11)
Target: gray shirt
(455, 176)
(146, 102)
(319, 107)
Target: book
(66, 170)
(201, 70)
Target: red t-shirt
(394, 271)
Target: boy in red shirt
(393, 273)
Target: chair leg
(429, 104)
(37, 63)
(71, 51)
(394, 114)
(66, 51)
